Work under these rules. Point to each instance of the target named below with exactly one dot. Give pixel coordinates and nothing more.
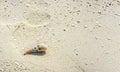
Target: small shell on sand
(42, 46)
(39, 49)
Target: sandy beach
(81, 35)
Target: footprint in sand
(36, 19)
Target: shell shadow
(38, 53)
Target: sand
(82, 35)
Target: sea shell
(42, 46)
(39, 49)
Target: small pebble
(17, 63)
(85, 26)
(64, 29)
(5, 1)
(76, 54)
(99, 12)
(78, 21)
(90, 5)
(72, 25)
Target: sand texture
(81, 35)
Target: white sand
(82, 35)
